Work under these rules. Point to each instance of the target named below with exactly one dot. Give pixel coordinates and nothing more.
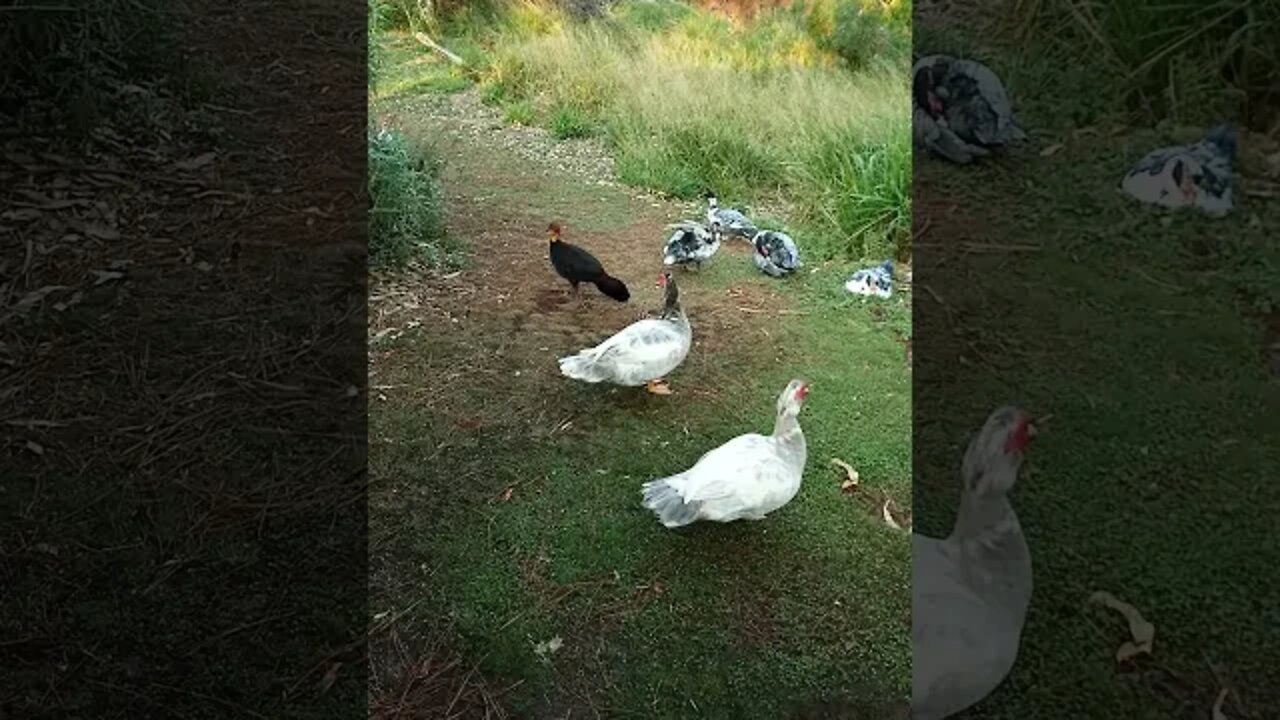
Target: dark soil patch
(185, 417)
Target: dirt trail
(503, 185)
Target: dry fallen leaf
(1217, 706)
(850, 483)
(1051, 150)
(101, 233)
(33, 298)
(103, 276)
(506, 494)
(1143, 632)
(888, 518)
(545, 649)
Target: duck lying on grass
(960, 109)
(1197, 175)
(876, 281)
(642, 353)
(776, 254)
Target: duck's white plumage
(877, 281)
(746, 478)
(970, 591)
(776, 253)
(1197, 175)
(690, 244)
(643, 351)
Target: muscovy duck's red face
(662, 279)
(802, 392)
(1020, 436)
(935, 105)
(553, 230)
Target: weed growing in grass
(570, 121)
(405, 222)
(520, 113)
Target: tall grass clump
(761, 111)
(1192, 62)
(405, 204)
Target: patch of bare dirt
(509, 309)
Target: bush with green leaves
(405, 205)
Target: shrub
(405, 204)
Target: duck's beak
(1034, 422)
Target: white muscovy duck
(744, 479)
(691, 244)
(1197, 175)
(776, 253)
(970, 591)
(728, 221)
(877, 281)
(961, 110)
(642, 353)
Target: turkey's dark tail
(614, 288)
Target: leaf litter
(1143, 633)
(882, 506)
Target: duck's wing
(978, 106)
(732, 474)
(785, 253)
(942, 141)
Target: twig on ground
(453, 58)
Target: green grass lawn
(1155, 478)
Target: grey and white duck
(728, 221)
(776, 253)
(1197, 175)
(690, 245)
(960, 109)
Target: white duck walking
(728, 221)
(970, 590)
(1196, 175)
(690, 245)
(642, 353)
(744, 479)
(776, 253)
